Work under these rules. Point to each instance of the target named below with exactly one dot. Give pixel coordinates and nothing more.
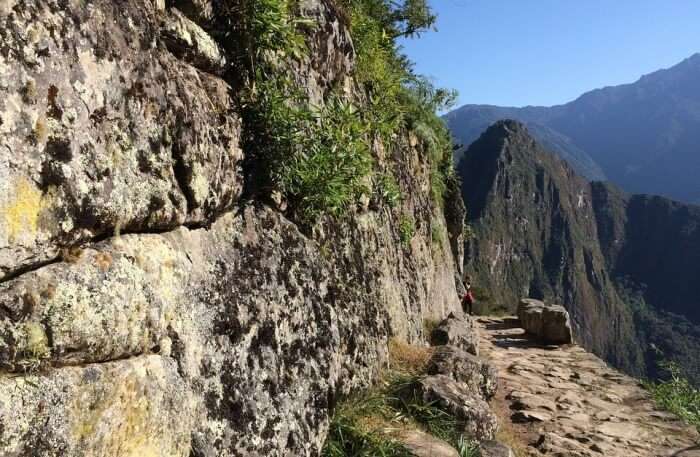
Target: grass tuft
(407, 359)
(371, 422)
(677, 394)
(407, 228)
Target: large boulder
(549, 323)
(456, 330)
(474, 415)
(475, 373)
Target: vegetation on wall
(398, 98)
(320, 157)
(407, 228)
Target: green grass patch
(677, 394)
(407, 229)
(370, 422)
(386, 189)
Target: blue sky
(546, 52)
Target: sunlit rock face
(146, 307)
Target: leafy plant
(677, 394)
(319, 157)
(329, 172)
(436, 234)
(261, 32)
(467, 448)
(387, 190)
(397, 98)
(407, 228)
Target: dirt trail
(564, 401)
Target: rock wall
(145, 308)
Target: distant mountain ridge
(626, 266)
(643, 136)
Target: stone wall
(145, 309)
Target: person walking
(468, 297)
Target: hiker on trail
(468, 297)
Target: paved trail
(564, 401)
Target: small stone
(422, 444)
(495, 449)
(523, 401)
(466, 368)
(549, 323)
(530, 416)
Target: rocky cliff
(619, 263)
(152, 301)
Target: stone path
(564, 401)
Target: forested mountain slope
(624, 265)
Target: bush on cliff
(677, 394)
(320, 157)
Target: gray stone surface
(145, 310)
(135, 407)
(457, 329)
(422, 444)
(470, 410)
(492, 448)
(563, 401)
(104, 130)
(463, 367)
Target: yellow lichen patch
(37, 344)
(21, 213)
(103, 260)
(120, 418)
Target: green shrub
(436, 234)
(320, 157)
(387, 190)
(407, 228)
(468, 232)
(397, 97)
(677, 394)
(329, 171)
(429, 325)
(260, 33)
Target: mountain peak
(508, 127)
(506, 130)
(641, 136)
